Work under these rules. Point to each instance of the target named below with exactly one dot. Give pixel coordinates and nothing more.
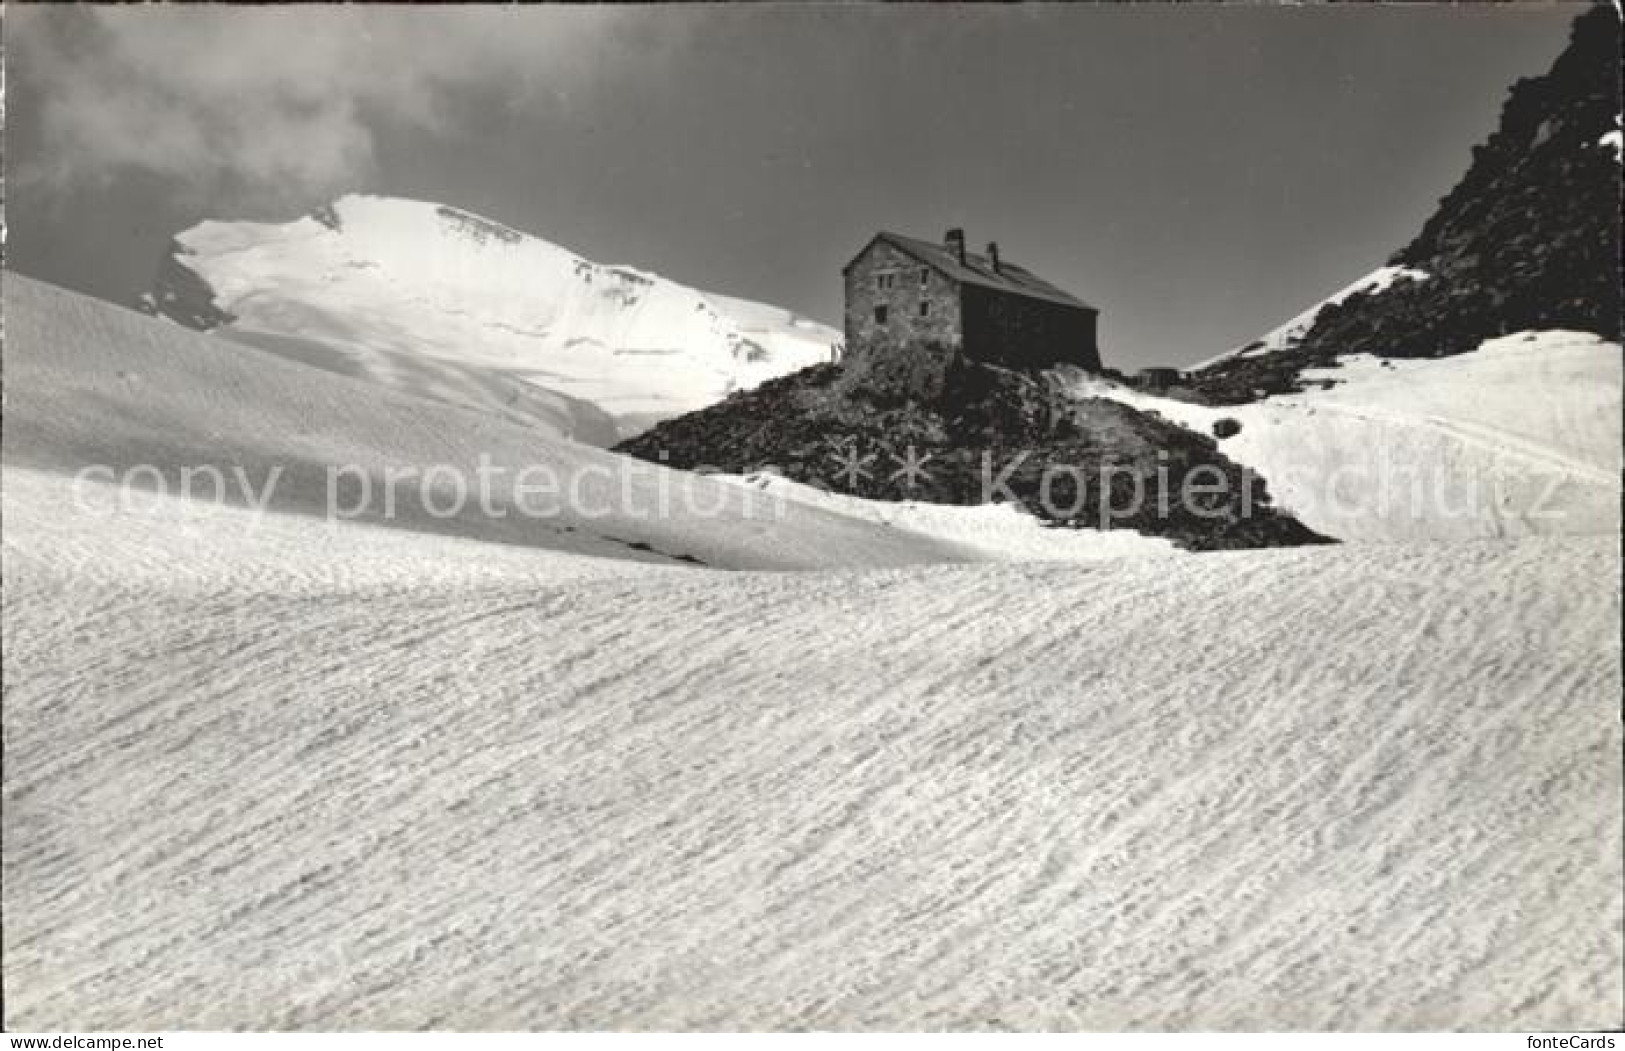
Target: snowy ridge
(1289, 332)
(373, 281)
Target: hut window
(880, 314)
(925, 308)
(925, 276)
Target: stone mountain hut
(900, 290)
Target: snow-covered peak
(372, 285)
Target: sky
(1198, 173)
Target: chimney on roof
(954, 241)
(993, 256)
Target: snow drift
(446, 303)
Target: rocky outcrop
(924, 424)
(179, 294)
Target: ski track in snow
(1483, 437)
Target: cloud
(283, 101)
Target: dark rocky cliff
(1528, 239)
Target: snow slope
(1521, 436)
(88, 383)
(373, 285)
(1126, 795)
(494, 392)
(264, 770)
(1002, 531)
(1292, 330)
